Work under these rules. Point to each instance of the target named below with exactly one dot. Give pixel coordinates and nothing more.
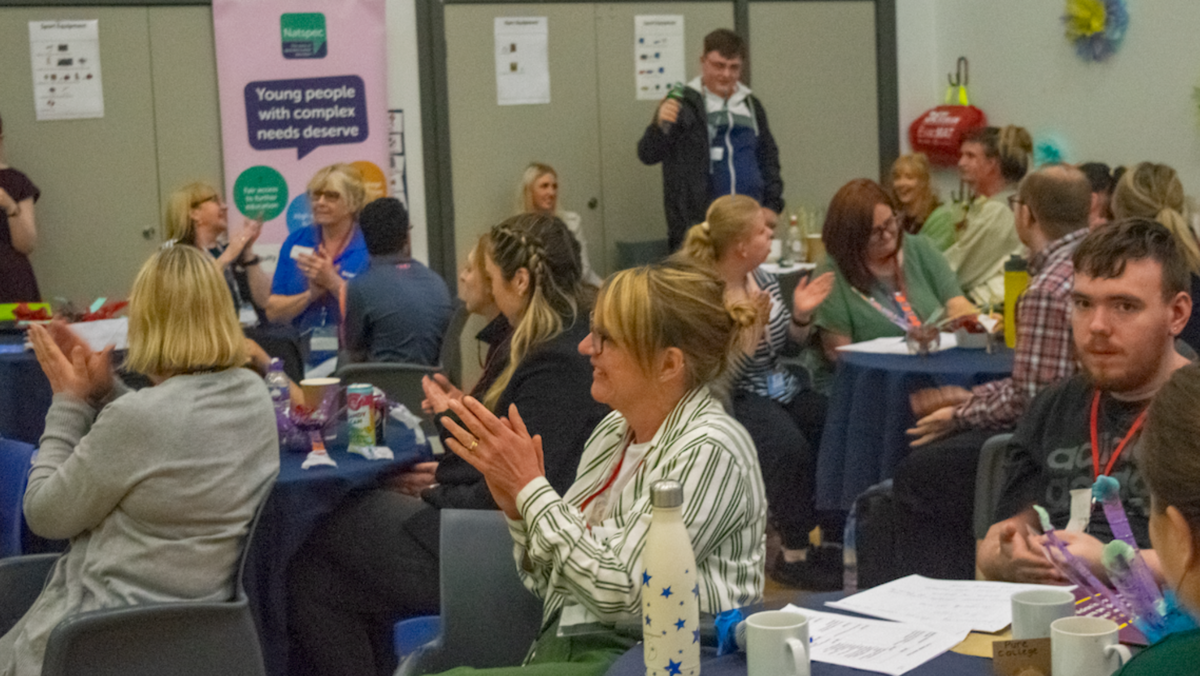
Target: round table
(869, 411)
(297, 502)
(734, 664)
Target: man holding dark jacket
(713, 140)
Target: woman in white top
(539, 192)
(661, 339)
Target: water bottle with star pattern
(670, 593)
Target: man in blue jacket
(712, 139)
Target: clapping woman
(661, 341)
(154, 488)
(375, 560)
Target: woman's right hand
(415, 480)
(439, 392)
(810, 293)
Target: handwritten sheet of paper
(946, 605)
(873, 645)
(894, 345)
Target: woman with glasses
(197, 215)
(784, 418)
(315, 262)
(885, 283)
(374, 561)
(661, 343)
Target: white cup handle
(799, 652)
(1123, 652)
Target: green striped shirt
(725, 510)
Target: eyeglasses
(214, 198)
(1014, 202)
(329, 195)
(598, 336)
(880, 231)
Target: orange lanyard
(1133, 430)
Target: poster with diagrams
(398, 177)
(658, 54)
(522, 60)
(66, 69)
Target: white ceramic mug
(777, 644)
(1085, 646)
(1034, 609)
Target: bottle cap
(666, 494)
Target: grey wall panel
(633, 208)
(187, 119)
(815, 71)
(98, 177)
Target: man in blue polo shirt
(398, 309)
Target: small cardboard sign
(1030, 657)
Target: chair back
(182, 639)
(989, 482)
(489, 618)
(21, 581)
(400, 381)
(15, 457)
(450, 356)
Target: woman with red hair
(884, 282)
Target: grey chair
(488, 617)
(400, 381)
(450, 356)
(21, 580)
(989, 482)
(180, 638)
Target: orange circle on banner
(374, 182)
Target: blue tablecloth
(946, 664)
(869, 411)
(24, 393)
(300, 498)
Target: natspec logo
(303, 36)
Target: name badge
(716, 153)
(775, 384)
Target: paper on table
(946, 605)
(894, 345)
(873, 645)
(104, 332)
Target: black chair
(488, 617)
(989, 482)
(179, 638)
(401, 382)
(450, 356)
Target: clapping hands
(70, 364)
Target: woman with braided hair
(1153, 191)
(374, 561)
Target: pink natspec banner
(302, 86)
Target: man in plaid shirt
(935, 484)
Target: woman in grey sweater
(155, 488)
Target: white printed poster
(66, 69)
(658, 54)
(522, 60)
(398, 177)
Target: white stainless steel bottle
(670, 594)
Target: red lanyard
(1133, 429)
(611, 479)
(910, 320)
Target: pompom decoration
(1096, 27)
(1049, 149)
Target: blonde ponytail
(1151, 190)
(730, 219)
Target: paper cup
(315, 390)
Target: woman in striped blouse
(660, 340)
(783, 417)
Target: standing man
(712, 139)
(935, 484)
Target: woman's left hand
(502, 449)
(85, 375)
(810, 294)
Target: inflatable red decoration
(939, 132)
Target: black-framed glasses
(329, 195)
(879, 231)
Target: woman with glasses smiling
(309, 281)
(885, 282)
(661, 345)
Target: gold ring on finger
(474, 445)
